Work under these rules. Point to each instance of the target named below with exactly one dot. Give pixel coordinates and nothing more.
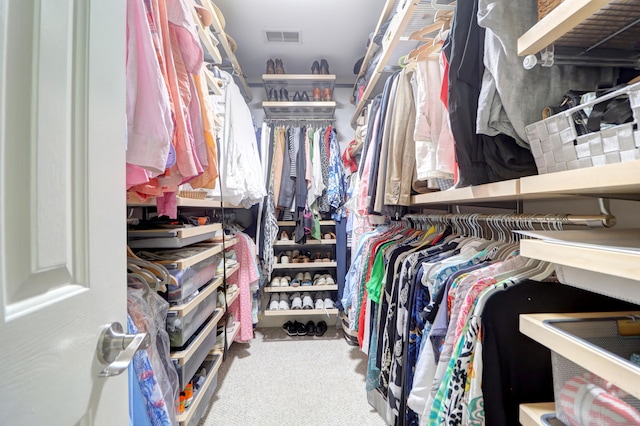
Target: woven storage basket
(198, 195)
(546, 6)
(556, 146)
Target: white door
(62, 208)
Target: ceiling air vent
(282, 36)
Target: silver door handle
(116, 348)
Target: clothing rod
(300, 119)
(592, 221)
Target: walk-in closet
(286, 212)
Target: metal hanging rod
(592, 221)
(293, 120)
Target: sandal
(317, 257)
(327, 257)
(330, 236)
(284, 236)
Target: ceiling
(336, 30)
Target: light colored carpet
(280, 380)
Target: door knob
(116, 348)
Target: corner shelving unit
(299, 82)
(412, 16)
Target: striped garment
(585, 402)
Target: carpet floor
(288, 381)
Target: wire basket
(583, 398)
(556, 146)
(546, 6)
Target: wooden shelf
(565, 17)
(231, 297)
(621, 180)
(231, 334)
(290, 289)
(293, 223)
(184, 418)
(184, 263)
(184, 309)
(531, 414)
(299, 110)
(186, 202)
(299, 312)
(619, 264)
(303, 80)
(308, 265)
(184, 355)
(235, 268)
(310, 242)
(395, 43)
(619, 372)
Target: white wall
(344, 111)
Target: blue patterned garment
(336, 189)
(151, 392)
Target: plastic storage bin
(208, 392)
(583, 398)
(191, 279)
(556, 146)
(180, 329)
(189, 369)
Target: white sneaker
(329, 280)
(319, 302)
(275, 302)
(329, 303)
(307, 301)
(275, 282)
(284, 302)
(284, 281)
(296, 301)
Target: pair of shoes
(301, 97)
(280, 281)
(294, 328)
(276, 67)
(323, 301)
(321, 67)
(279, 302)
(274, 95)
(301, 279)
(325, 279)
(301, 301)
(315, 330)
(322, 94)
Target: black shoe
(310, 327)
(315, 68)
(324, 66)
(284, 95)
(304, 97)
(289, 328)
(321, 328)
(296, 97)
(272, 95)
(300, 329)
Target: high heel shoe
(270, 67)
(315, 68)
(284, 95)
(279, 66)
(324, 66)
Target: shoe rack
(315, 257)
(281, 91)
(196, 317)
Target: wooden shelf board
(620, 373)
(566, 16)
(310, 242)
(183, 202)
(308, 265)
(619, 178)
(299, 312)
(231, 334)
(293, 222)
(285, 78)
(498, 191)
(184, 418)
(184, 355)
(184, 309)
(290, 289)
(235, 268)
(232, 297)
(619, 264)
(186, 262)
(530, 414)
